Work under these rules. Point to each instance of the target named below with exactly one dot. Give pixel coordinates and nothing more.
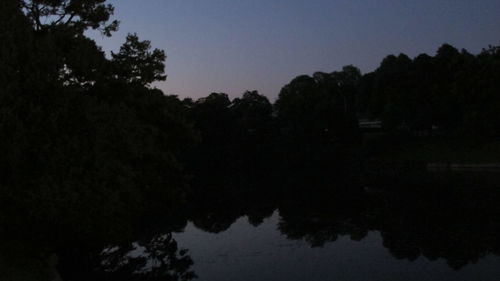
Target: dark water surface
(411, 228)
(245, 252)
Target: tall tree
(136, 63)
(79, 15)
(82, 154)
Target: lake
(438, 227)
(430, 230)
(245, 252)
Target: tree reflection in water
(158, 258)
(454, 220)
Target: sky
(232, 46)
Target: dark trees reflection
(451, 221)
(445, 217)
(157, 258)
(457, 222)
(455, 218)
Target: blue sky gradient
(234, 45)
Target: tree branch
(35, 10)
(70, 18)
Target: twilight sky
(236, 45)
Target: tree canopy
(77, 15)
(135, 63)
(86, 143)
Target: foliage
(78, 15)
(453, 91)
(85, 153)
(136, 64)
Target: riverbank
(439, 151)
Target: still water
(410, 229)
(430, 230)
(245, 252)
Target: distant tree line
(311, 127)
(454, 92)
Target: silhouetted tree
(84, 154)
(317, 119)
(135, 63)
(78, 15)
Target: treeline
(315, 120)
(454, 92)
(312, 127)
